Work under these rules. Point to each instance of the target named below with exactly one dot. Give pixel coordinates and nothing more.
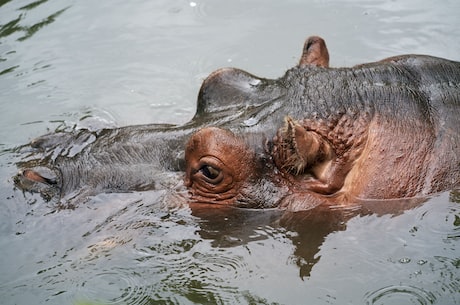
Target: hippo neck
(399, 89)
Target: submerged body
(316, 135)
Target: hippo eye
(210, 172)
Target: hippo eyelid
(210, 169)
(210, 172)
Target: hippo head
(221, 166)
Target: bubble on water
(199, 9)
(400, 295)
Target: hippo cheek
(261, 193)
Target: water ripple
(200, 274)
(444, 222)
(400, 295)
(117, 286)
(232, 266)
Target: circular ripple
(400, 295)
(116, 286)
(440, 218)
(206, 277)
(221, 266)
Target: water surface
(95, 64)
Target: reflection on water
(99, 64)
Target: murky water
(116, 63)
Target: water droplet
(404, 260)
(422, 262)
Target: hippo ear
(229, 89)
(315, 53)
(296, 149)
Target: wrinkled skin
(317, 135)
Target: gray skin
(317, 135)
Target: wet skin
(317, 135)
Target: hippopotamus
(315, 136)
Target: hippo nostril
(35, 176)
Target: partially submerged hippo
(388, 129)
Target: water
(116, 63)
